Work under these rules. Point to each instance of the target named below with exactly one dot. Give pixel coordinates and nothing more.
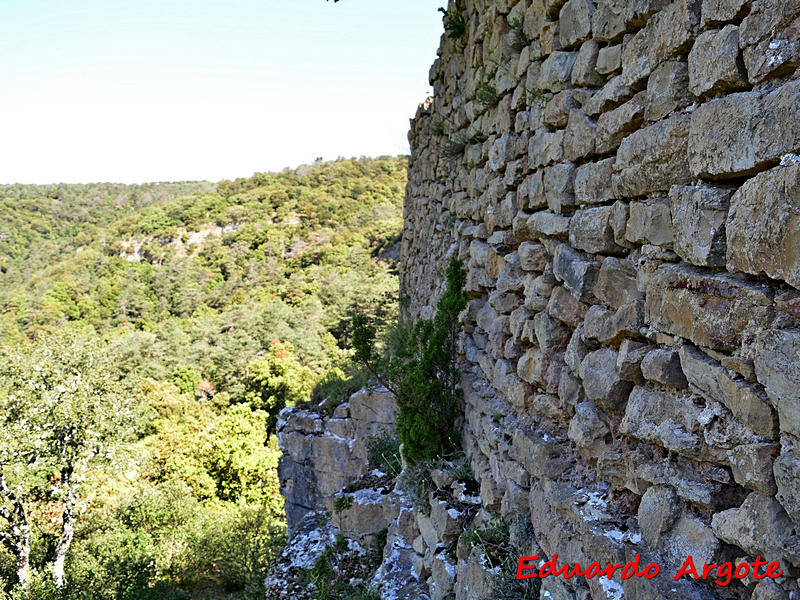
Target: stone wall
(619, 177)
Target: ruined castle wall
(620, 179)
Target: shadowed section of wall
(622, 180)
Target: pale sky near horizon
(173, 90)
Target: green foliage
(454, 24)
(383, 451)
(193, 313)
(186, 378)
(342, 503)
(502, 540)
(485, 93)
(423, 373)
(275, 381)
(519, 39)
(418, 482)
(333, 571)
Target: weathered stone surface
(650, 222)
(714, 64)
(579, 136)
(769, 36)
(777, 363)
(710, 310)
(658, 512)
(608, 21)
(750, 465)
(667, 90)
(629, 360)
(736, 135)
(550, 333)
(653, 158)
(766, 589)
(575, 22)
(666, 35)
(556, 112)
(699, 215)
(547, 224)
(663, 418)
(564, 307)
(546, 148)
(577, 272)
(593, 182)
(745, 400)
(584, 71)
(558, 186)
(611, 95)
(759, 526)
(616, 283)
(663, 365)
(587, 425)
(609, 59)
(601, 381)
(590, 230)
(556, 71)
(532, 257)
(787, 478)
(763, 227)
(715, 12)
(614, 125)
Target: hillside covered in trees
(149, 335)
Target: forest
(149, 336)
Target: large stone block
(590, 230)
(777, 363)
(616, 283)
(759, 526)
(715, 12)
(737, 135)
(584, 71)
(547, 224)
(714, 65)
(653, 158)
(698, 216)
(578, 272)
(546, 148)
(667, 90)
(601, 382)
(711, 310)
(668, 34)
(556, 71)
(614, 125)
(769, 36)
(612, 94)
(763, 227)
(575, 22)
(558, 186)
(579, 137)
(593, 182)
(650, 222)
(746, 401)
(787, 478)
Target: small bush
(341, 503)
(423, 373)
(383, 451)
(486, 94)
(454, 24)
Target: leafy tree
(422, 372)
(62, 411)
(275, 381)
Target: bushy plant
(383, 451)
(423, 373)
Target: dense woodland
(149, 335)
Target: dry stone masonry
(621, 179)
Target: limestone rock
(663, 365)
(777, 363)
(590, 230)
(611, 95)
(615, 125)
(650, 222)
(586, 426)
(736, 135)
(667, 90)
(713, 63)
(558, 186)
(616, 282)
(556, 70)
(584, 71)
(710, 310)
(715, 12)
(763, 227)
(699, 215)
(787, 479)
(575, 22)
(653, 158)
(601, 380)
(593, 182)
(609, 59)
(579, 136)
(577, 272)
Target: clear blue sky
(166, 90)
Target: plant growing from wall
(519, 38)
(454, 24)
(486, 94)
(422, 373)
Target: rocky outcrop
(624, 194)
(322, 454)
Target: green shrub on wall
(422, 373)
